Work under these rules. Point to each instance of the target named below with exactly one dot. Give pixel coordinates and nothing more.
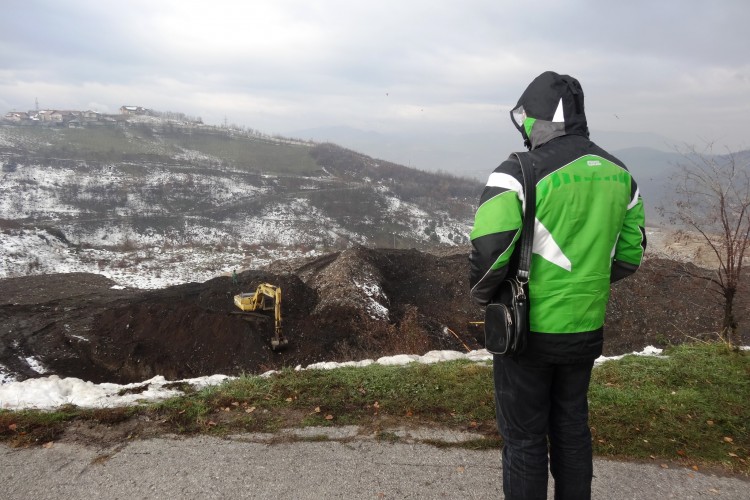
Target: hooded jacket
(588, 228)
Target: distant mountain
(467, 155)
(151, 184)
(651, 158)
(652, 170)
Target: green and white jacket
(589, 226)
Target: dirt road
(247, 466)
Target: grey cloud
(298, 64)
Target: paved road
(247, 466)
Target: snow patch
(374, 294)
(5, 376)
(35, 365)
(52, 392)
(647, 351)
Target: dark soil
(77, 325)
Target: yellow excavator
(266, 297)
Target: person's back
(584, 196)
(589, 231)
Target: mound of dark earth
(356, 304)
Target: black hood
(552, 106)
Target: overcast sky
(677, 68)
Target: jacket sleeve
(632, 242)
(497, 227)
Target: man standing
(588, 232)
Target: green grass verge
(114, 143)
(691, 406)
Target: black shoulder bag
(506, 318)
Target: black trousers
(542, 415)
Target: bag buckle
(521, 283)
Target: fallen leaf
(250, 410)
(317, 409)
(691, 475)
(709, 422)
(472, 424)
(652, 457)
(664, 466)
(211, 423)
(12, 427)
(733, 454)
(409, 413)
(227, 409)
(329, 417)
(728, 439)
(376, 405)
(681, 453)
(460, 469)
(47, 445)
(362, 390)
(695, 467)
(235, 403)
(288, 400)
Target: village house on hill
(134, 110)
(75, 118)
(59, 117)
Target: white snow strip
(52, 392)
(398, 359)
(330, 365)
(647, 351)
(438, 356)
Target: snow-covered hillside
(179, 206)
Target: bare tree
(713, 200)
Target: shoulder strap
(529, 215)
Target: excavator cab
(266, 297)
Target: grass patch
(29, 427)
(691, 406)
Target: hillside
(371, 256)
(119, 196)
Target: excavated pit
(356, 304)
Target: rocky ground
(356, 304)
